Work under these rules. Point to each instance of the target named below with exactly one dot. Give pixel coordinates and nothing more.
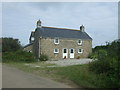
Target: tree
(10, 44)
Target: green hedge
(18, 56)
(107, 64)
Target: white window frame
(55, 41)
(32, 38)
(79, 43)
(29, 51)
(55, 50)
(81, 50)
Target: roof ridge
(60, 32)
(61, 28)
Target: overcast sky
(100, 19)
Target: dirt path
(14, 78)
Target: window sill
(80, 44)
(56, 52)
(56, 43)
(80, 52)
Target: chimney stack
(39, 24)
(82, 28)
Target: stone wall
(36, 48)
(29, 48)
(47, 47)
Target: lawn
(78, 75)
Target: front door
(65, 53)
(71, 53)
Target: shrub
(102, 54)
(18, 56)
(43, 57)
(99, 66)
(10, 44)
(93, 55)
(78, 57)
(107, 64)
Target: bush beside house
(107, 63)
(12, 51)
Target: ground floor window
(56, 50)
(80, 50)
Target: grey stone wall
(36, 45)
(47, 47)
(29, 48)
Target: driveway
(68, 62)
(14, 78)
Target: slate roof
(27, 45)
(62, 33)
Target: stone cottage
(59, 43)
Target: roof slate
(27, 45)
(62, 33)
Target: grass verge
(77, 74)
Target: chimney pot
(82, 28)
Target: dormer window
(56, 40)
(80, 50)
(79, 42)
(56, 50)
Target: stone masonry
(47, 47)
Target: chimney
(82, 28)
(39, 24)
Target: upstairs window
(56, 50)
(56, 40)
(80, 50)
(79, 42)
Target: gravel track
(68, 62)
